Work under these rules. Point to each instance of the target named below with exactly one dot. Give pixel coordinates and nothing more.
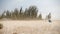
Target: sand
(30, 27)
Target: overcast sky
(44, 6)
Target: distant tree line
(29, 13)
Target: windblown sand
(30, 27)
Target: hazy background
(44, 6)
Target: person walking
(49, 18)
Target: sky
(44, 6)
